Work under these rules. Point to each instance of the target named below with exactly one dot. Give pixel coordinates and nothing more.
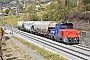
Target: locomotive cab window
(57, 25)
(67, 26)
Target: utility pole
(12, 21)
(17, 12)
(1, 20)
(41, 16)
(35, 1)
(24, 4)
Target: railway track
(82, 47)
(77, 52)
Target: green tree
(87, 7)
(86, 4)
(7, 11)
(45, 17)
(30, 10)
(85, 1)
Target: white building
(37, 7)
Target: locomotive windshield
(67, 26)
(57, 25)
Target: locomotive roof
(65, 23)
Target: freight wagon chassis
(66, 40)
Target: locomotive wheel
(60, 40)
(52, 38)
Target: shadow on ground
(6, 37)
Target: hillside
(80, 21)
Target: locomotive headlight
(75, 38)
(76, 35)
(52, 32)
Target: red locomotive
(64, 32)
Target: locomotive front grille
(73, 40)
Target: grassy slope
(8, 20)
(46, 54)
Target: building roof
(2, 14)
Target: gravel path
(34, 55)
(11, 51)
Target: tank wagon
(43, 27)
(20, 25)
(28, 26)
(62, 32)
